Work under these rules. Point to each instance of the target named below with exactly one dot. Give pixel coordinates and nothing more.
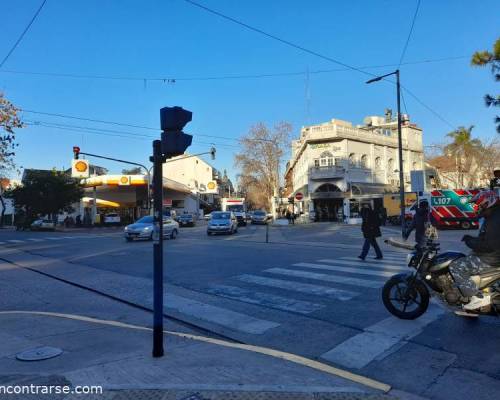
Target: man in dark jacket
(485, 248)
(371, 230)
(420, 222)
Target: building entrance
(328, 203)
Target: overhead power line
(108, 132)
(22, 35)
(409, 34)
(276, 38)
(171, 80)
(100, 121)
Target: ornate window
(326, 159)
(352, 160)
(390, 165)
(364, 161)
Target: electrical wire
(108, 132)
(221, 77)
(409, 34)
(115, 123)
(276, 38)
(22, 34)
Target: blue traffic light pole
(158, 159)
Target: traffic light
(76, 152)
(174, 141)
(212, 153)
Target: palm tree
(464, 149)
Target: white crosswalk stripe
(264, 299)
(308, 288)
(351, 270)
(218, 315)
(16, 241)
(364, 264)
(327, 277)
(36, 240)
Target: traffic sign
(299, 196)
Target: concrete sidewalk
(113, 350)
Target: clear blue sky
(171, 38)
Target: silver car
(144, 229)
(222, 222)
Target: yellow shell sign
(124, 180)
(80, 169)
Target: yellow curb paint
(256, 349)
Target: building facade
(337, 166)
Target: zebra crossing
(49, 239)
(324, 280)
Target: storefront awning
(363, 188)
(100, 202)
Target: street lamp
(400, 146)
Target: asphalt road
(304, 292)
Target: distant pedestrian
(421, 222)
(371, 231)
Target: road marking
(36, 240)
(365, 264)
(52, 238)
(337, 294)
(359, 350)
(372, 260)
(217, 315)
(327, 278)
(265, 299)
(351, 270)
(2, 242)
(16, 241)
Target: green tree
(45, 193)
(9, 121)
(464, 149)
(486, 58)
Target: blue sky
(172, 39)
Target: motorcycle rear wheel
(402, 301)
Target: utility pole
(400, 147)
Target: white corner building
(337, 166)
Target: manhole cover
(40, 353)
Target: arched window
(352, 160)
(364, 161)
(390, 165)
(378, 163)
(326, 159)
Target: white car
(144, 229)
(112, 218)
(43, 224)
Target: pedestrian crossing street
(49, 239)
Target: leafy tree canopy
(46, 193)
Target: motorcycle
(407, 295)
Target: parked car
(144, 229)
(222, 222)
(43, 225)
(207, 216)
(186, 220)
(259, 217)
(112, 219)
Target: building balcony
(329, 132)
(326, 172)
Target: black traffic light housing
(174, 141)
(76, 152)
(212, 153)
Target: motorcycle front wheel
(405, 297)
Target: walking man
(371, 231)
